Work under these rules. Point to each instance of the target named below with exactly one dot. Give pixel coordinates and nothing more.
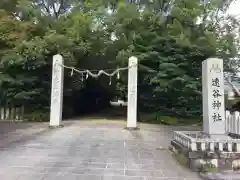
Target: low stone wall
(203, 153)
(11, 113)
(206, 161)
(198, 141)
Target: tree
(170, 38)
(173, 46)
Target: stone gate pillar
(132, 93)
(57, 91)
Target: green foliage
(156, 118)
(37, 116)
(181, 159)
(170, 38)
(167, 120)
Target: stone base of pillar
(56, 126)
(132, 128)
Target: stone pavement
(89, 150)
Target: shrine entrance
(57, 89)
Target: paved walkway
(89, 151)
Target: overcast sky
(234, 8)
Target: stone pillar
(57, 92)
(213, 96)
(132, 93)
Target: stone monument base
(203, 153)
(132, 128)
(56, 126)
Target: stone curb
(220, 176)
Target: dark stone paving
(91, 151)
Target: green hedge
(158, 119)
(37, 116)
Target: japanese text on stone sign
(56, 80)
(216, 103)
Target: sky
(234, 8)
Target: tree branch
(234, 87)
(45, 6)
(60, 7)
(54, 10)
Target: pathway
(91, 151)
